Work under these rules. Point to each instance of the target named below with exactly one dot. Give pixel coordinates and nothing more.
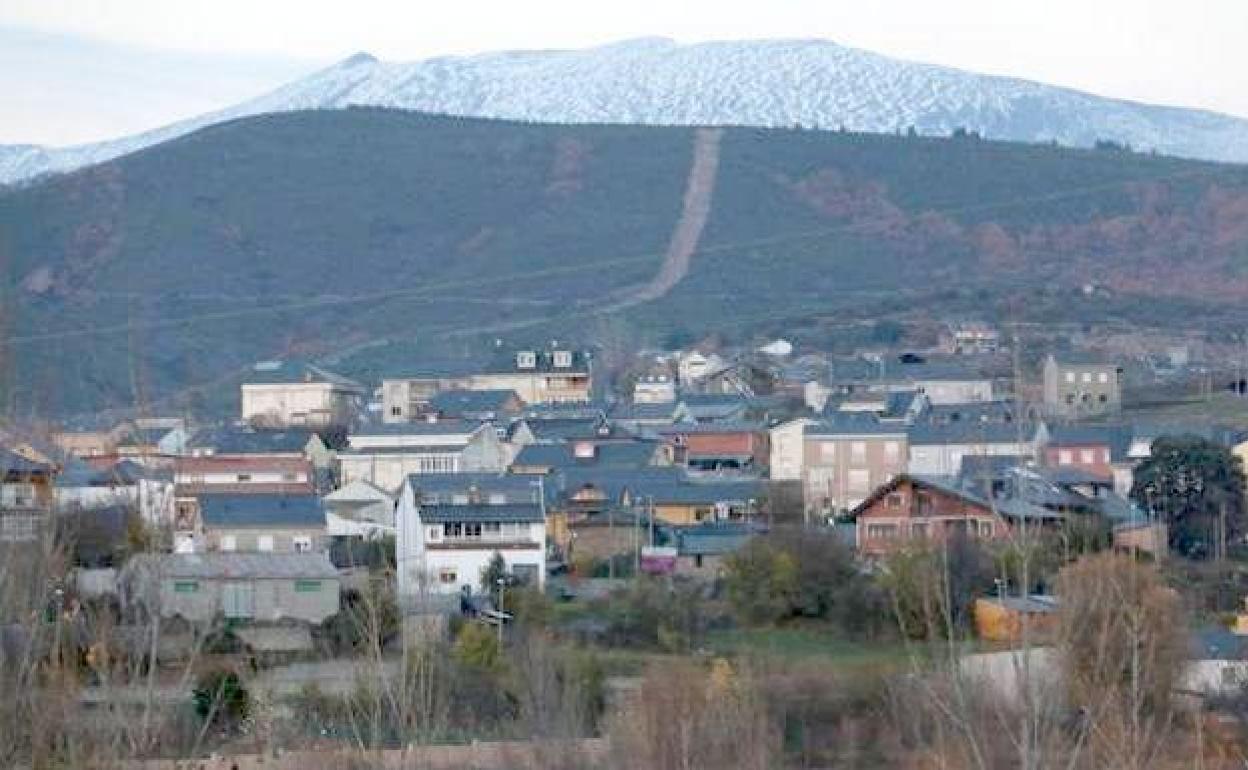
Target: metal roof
(228, 565)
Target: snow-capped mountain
(811, 83)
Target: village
(334, 524)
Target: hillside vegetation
(375, 237)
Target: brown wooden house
(912, 509)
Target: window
(1103, 378)
(892, 450)
(185, 586)
(1087, 377)
(895, 500)
(229, 543)
(1070, 376)
(1087, 456)
(238, 600)
(827, 451)
(918, 530)
(243, 478)
(264, 543)
(435, 533)
(1070, 398)
(985, 529)
(290, 478)
(1065, 457)
(881, 531)
(563, 359)
(307, 586)
(453, 529)
(302, 543)
(859, 480)
(497, 498)
(858, 451)
(447, 576)
(396, 411)
(1104, 399)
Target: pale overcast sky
(81, 70)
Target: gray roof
(713, 539)
(228, 441)
(12, 462)
(514, 486)
(618, 454)
(290, 372)
(507, 512)
(631, 411)
(221, 565)
(455, 402)
(236, 510)
(852, 424)
(505, 363)
(421, 428)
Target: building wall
(946, 459)
(1073, 391)
(274, 599)
(787, 451)
(538, 387)
(841, 471)
(1094, 458)
(249, 538)
(956, 391)
(300, 403)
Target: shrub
(221, 698)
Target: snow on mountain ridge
(812, 83)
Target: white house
(694, 366)
(442, 548)
(654, 389)
(359, 509)
(385, 455)
(281, 394)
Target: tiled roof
(230, 511)
(442, 484)
(422, 428)
(238, 441)
(222, 464)
(505, 363)
(12, 462)
(852, 424)
(630, 411)
(714, 539)
(507, 512)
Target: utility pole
(650, 511)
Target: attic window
(563, 359)
(526, 359)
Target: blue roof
(290, 372)
(712, 539)
(626, 410)
(513, 486)
(852, 424)
(12, 462)
(421, 428)
(239, 511)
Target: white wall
(787, 451)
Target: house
(1003, 618)
(640, 417)
(91, 442)
(479, 405)
(1092, 449)
(694, 366)
(542, 459)
(385, 455)
(845, 457)
(487, 487)
(359, 509)
(148, 490)
(702, 549)
(943, 382)
(718, 446)
(442, 548)
(554, 375)
(654, 389)
(285, 393)
(243, 474)
(240, 587)
(153, 440)
(915, 509)
(261, 442)
(1078, 386)
(26, 495)
(944, 436)
(261, 523)
(407, 398)
(971, 338)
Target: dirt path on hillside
(699, 190)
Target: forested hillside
(371, 236)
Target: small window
(435, 533)
(396, 411)
(1070, 398)
(265, 543)
(447, 576)
(1103, 377)
(827, 451)
(307, 586)
(858, 451)
(290, 478)
(985, 529)
(697, 560)
(229, 543)
(1104, 399)
(1065, 457)
(1070, 376)
(302, 543)
(185, 586)
(919, 530)
(1087, 376)
(1087, 456)
(894, 500)
(244, 478)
